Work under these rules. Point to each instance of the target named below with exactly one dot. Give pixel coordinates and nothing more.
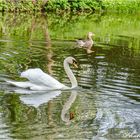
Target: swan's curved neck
(70, 74)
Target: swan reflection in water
(36, 98)
(67, 106)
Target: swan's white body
(38, 80)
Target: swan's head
(72, 61)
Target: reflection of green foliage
(22, 50)
(73, 26)
(12, 104)
(15, 112)
(15, 56)
(68, 26)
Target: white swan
(38, 80)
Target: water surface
(106, 104)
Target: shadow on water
(106, 106)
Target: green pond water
(106, 105)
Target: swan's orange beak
(75, 65)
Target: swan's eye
(74, 61)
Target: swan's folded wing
(37, 76)
(20, 84)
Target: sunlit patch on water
(106, 104)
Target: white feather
(38, 77)
(26, 84)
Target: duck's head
(90, 34)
